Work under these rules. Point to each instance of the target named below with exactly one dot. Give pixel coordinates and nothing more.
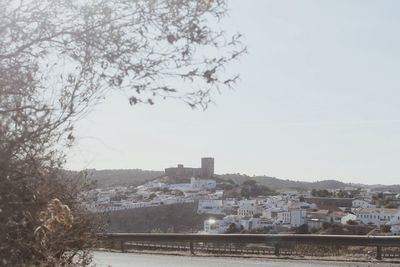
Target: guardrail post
(276, 250)
(379, 253)
(191, 248)
(122, 246)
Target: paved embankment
(106, 259)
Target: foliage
(342, 194)
(225, 186)
(249, 183)
(252, 189)
(321, 193)
(391, 206)
(348, 194)
(181, 217)
(385, 228)
(326, 225)
(42, 222)
(151, 48)
(352, 222)
(128, 177)
(302, 229)
(232, 229)
(232, 193)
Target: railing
(280, 244)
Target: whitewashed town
(253, 208)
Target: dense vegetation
(133, 177)
(251, 189)
(168, 218)
(321, 193)
(338, 194)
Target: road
(106, 259)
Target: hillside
(135, 177)
(280, 184)
(124, 177)
(180, 218)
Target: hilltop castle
(206, 170)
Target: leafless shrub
(57, 59)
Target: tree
(314, 192)
(321, 193)
(58, 59)
(250, 188)
(326, 225)
(352, 222)
(302, 229)
(232, 229)
(385, 228)
(391, 206)
(342, 194)
(151, 48)
(250, 183)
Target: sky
(318, 98)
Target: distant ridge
(281, 184)
(135, 177)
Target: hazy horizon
(317, 100)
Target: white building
(315, 219)
(360, 203)
(283, 217)
(210, 206)
(255, 223)
(248, 208)
(212, 226)
(195, 185)
(378, 216)
(336, 217)
(314, 223)
(348, 217)
(365, 192)
(395, 229)
(202, 184)
(154, 184)
(103, 198)
(180, 187)
(297, 217)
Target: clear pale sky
(318, 99)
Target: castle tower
(207, 167)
